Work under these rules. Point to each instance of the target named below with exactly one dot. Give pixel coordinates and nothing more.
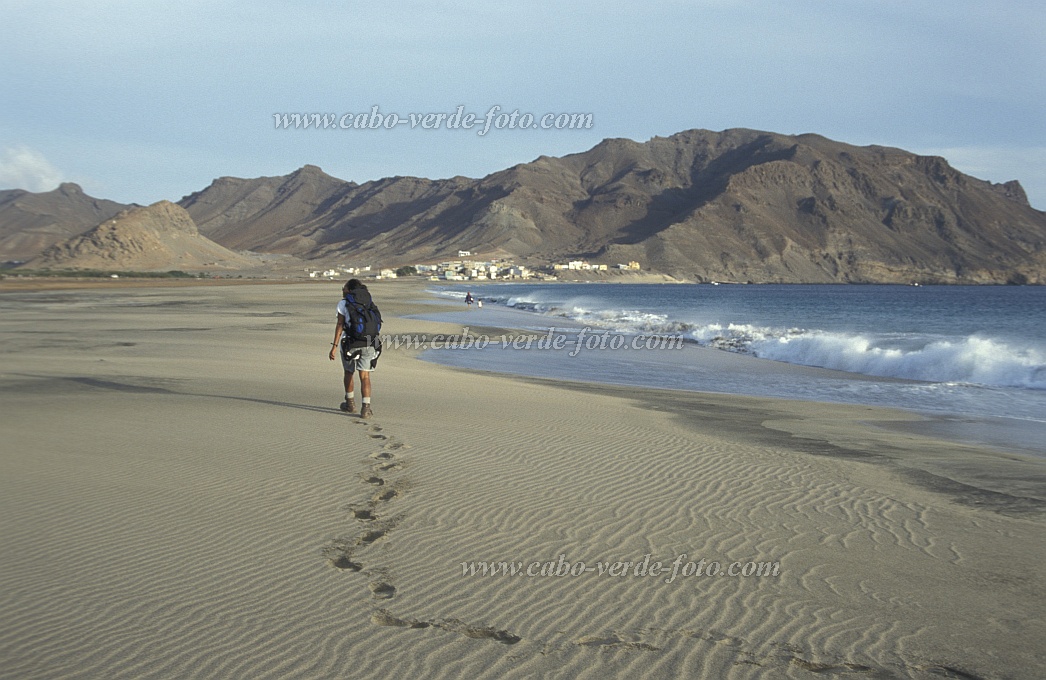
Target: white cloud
(25, 168)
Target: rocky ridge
(736, 205)
(31, 222)
(161, 236)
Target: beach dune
(180, 497)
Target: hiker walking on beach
(468, 299)
(356, 336)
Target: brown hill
(30, 222)
(254, 213)
(735, 205)
(159, 237)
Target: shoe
(349, 406)
(366, 412)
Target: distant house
(464, 253)
(581, 265)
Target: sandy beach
(180, 497)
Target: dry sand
(180, 497)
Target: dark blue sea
(974, 357)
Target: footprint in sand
(363, 514)
(376, 481)
(378, 436)
(948, 672)
(387, 467)
(831, 668)
(383, 496)
(491, 634)
(613, 641)
(714, 636)
(382, 455)
(344, 563)
(395, 446)
(484, 632)
(382, 591)
(382, 617)
(370, 537)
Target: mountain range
(736, 205)
(30, 222)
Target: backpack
(363, 322)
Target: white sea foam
(975, 359)
(972, 360)
(945, 358)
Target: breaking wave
(976, 359)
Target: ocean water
(974, 357)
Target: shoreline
(28, 283)
(1017, 436)
(1008, 481)
(204, 509)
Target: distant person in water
(468, 300)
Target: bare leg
(349, 405)
(364, 383)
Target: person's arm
(337, 336)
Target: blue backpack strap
(353, 317)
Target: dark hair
(353, 284)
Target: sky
(143, 101)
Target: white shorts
(360, 359)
